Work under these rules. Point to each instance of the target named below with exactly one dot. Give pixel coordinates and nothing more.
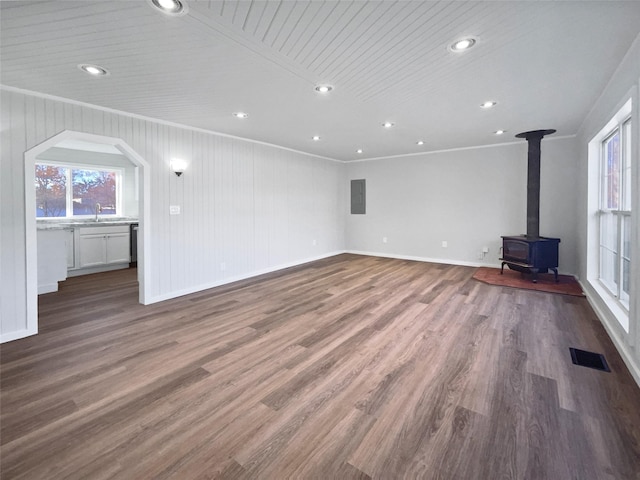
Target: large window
(67, 191)
(615, 211)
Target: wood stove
(532, 253)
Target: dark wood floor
(352, 367)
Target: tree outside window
(88, 188)
(51, 191)
(91, 187)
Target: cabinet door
(92, 250)
(71, 248)
(118, 248)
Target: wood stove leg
(535, 275)
(502, 268)
(555, 274)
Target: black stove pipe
(533, 138)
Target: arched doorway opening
(144, 205)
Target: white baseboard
(102, 268)
(425, 259)
(614, 335)
(206, 286)
(446, 261)
(16, 335)
(48, 288)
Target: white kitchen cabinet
(51, 260)
(92, 250)
(118, 248)
(102, 246)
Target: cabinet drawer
(104, 230)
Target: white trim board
(227, 281)
(457, 149)
(258, 142)
(424, 259)
(17, 335)
(446, 261)
(618, 342)
(157, 120)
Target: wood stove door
(515, 250)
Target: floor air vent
(589, 359)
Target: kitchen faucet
(98, 210)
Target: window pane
(91, 187)
(609, 231)
(608, 251)
(51, 191)
(611, 168)
(626, 257)
(626, 172)
(608, 269)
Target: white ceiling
(544, 62)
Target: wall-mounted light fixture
(178, 166)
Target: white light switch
(174, 209)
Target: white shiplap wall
(251, 206)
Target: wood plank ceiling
(545, 63)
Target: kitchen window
(66, 191)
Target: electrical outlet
(445, 244)
(485, 249)
(174, 209)
(223, 267)
(384, 239)
(314, 242)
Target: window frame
(616, 290)
(69, 166)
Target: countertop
(69, 224)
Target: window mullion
(69, 194)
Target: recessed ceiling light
(170, 7)
(324, 88)
(315, 138)
(462, 44)
(488, 104)
(240, 115)
(499, 132)
(93, 70)
(419, 142)
(388, 124)
(359, 150)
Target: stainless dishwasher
(133, 239)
